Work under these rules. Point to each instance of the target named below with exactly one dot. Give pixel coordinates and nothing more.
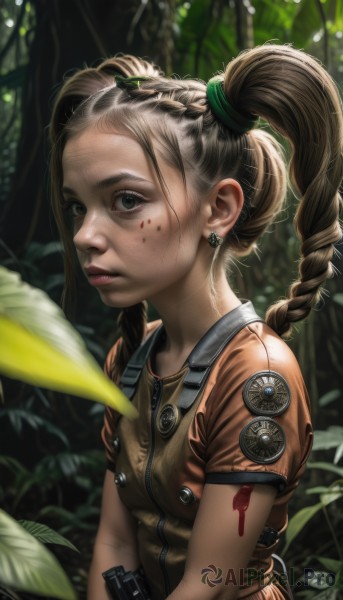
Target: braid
(178, 98)
(85, 82)
(127, 65)
(295, 94)
(132, 323)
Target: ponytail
(297, 97)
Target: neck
(188, 317)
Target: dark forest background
(51, 458)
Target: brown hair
(297, 97)
(76, 88)
(83, 83)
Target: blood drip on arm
(241, 502)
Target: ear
(226, 201)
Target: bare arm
(115, 543)
(223, 539)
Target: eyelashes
(73, 208)
(124, 202)
(127, 202)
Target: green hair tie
(223, 109)
(134, 81)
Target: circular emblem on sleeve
(266, 393)
(168, 420)
(262, 440)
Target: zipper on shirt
(155, 402)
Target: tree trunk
(244, 26)
(68, 34)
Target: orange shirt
(225, 437)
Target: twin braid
(179, 98)
(305, 107)
(315, 267)
(132, 324)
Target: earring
(214, 239)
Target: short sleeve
(258, 421)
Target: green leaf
(338, 298)
(319, 489)
(330, 564)
(298, 522)
(338, 454)
(13, 465)
(339, 578)
(331, 494)
(40, 347)
(326, 467)
(18, 417)
(331, 438)
(70, 520)
(273, 20)
(45, 534)
(329, 396)
(327, 594)
(303, 516)
(9, 594)
(26, 565)
(306, 22)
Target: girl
(164, 180)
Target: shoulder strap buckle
(208, 349)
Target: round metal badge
(168, 420)
(262, 440)
(266, 393)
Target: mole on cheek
(158, 228)
(149, 221)
(142, 224)
(143, 240)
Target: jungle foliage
(51, 458)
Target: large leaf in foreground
(25, 564)
(39, 346)
(45, 534)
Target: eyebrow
(109, 181)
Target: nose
(90, 236)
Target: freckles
(141, 226)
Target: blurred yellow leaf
(40, 347)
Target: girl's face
(131, 244)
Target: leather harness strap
(201, 358)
